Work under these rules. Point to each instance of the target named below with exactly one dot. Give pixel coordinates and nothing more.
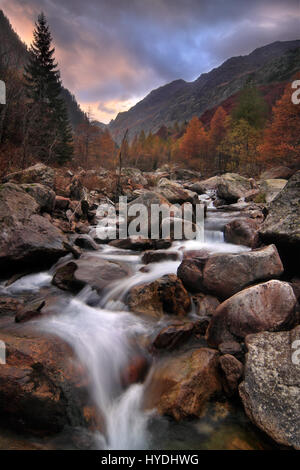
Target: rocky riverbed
(143, 343)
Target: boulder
(158, 256)
(270, 391)
(281, 172)
(38, 173)
(166, 295)
(174, 192)
(26, 237)
(201, 187)
(190, 271)
(282, 224)
(226, 274)
(243, 231)
(270, 188)
(86, 242)
(89, 270)
(232, 187)
(205, 305)
(181, 385)
(134, 175)
(43, 195)
(232, 372)
(175, 335)
(41, 386)
(137, 243)
(269, 306)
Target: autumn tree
(194, 143)
(281, 143)
(217, 133)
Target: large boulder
(41, 387)
(281, 172)
(133, 175)
(26, 237)
(166, 295)
(271, 388)
(270, 188)
(175, 335)
(89, 270)
(232, 187)
(181, 385)
(282, 224)
(43, 195)
(174, 192)
(242, 231)
(38, 173)
(270, 306)
(201, 187)
(225, 274)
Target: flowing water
(104, 336)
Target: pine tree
(50, 133)
(251, 107)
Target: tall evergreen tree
(251, 106)
(49, 128)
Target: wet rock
(26, 237)
(86, 242)
(265, 307)
(243, 231)
(136, 370)
(9, 306)
(174, 192)
(232, 187)
(282, 224)
(140, 244)
(30, 312)
(43, 195)
(166, 295)
(281, 172)
(206, 305)
(38, 173)
(157, 256)
(40, 387)
(227, 274)
(271, 388)
(89, 270)
(270, 188)
(181, 386)
(190, 271)
(173, 336)
(232, 372)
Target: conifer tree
(50, 133)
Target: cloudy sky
(111, 53)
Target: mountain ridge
(180, 100)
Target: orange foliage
(194, 143)
(281, 142)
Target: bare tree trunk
(118, 185)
